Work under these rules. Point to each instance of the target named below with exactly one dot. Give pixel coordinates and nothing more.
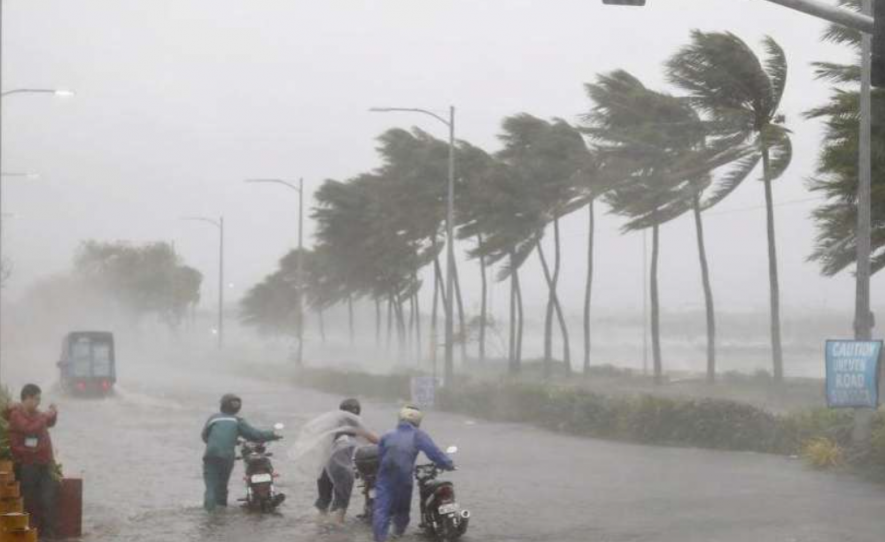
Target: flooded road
(139, 454)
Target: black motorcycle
(365, 461)
(441, 515)
(261, 493)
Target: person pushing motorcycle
(398, 452)
(335, 483)
(220, 435)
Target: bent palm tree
(741, 94)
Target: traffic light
(878, 74)
(626, 2)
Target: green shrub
(798, 428)
(703, 423)
(823, 453)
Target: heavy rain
(352, 271)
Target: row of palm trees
(651, 156)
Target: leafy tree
(741, 95)
(837, 172)
(143, 279)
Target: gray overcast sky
(179, 100)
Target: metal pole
(858, 21)
(221, 284)
(1, 183)
(863, 417)
(863, 326)
(300, 271)
(644, 302)
(450, 249)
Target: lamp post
(219, 223)
(5, 94)
(300, 272)
(450, 220)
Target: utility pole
(299, 264)
(301, 272)
(221, 282)
(644, 302)
(863, 326)
(449, 300)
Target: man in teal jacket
(220, 435)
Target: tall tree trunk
(655, 307)
(483, 307)
(434, 338)
(462, 326)
(411, 327)
(377, 322)
(350, 317)
(511, 352)
(320, 314)
(551, 285)
(589, 288)
(566, 346)
(548, 321)
(418, 329)
(400, 327)
(521, 321)
(708, 292)
(389, 320)
(776, 347)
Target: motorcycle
(261, 493)
(441, 516)
(365, 461)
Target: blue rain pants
(398, 452)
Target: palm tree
(741, 95)
(654, 142)
(550, 156)
(507, 217)
(474, 165)
(837, 164)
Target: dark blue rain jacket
(399, 450)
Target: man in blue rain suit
(220, 435)
(398, 452)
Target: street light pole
(450, 255)
(862, 321)
(300, 261)
(450, 237)
(220, 225)
(55, 92)
(221, 284)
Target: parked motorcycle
(261, 493)
(365, 461)
(441, 515)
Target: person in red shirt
(31, 449)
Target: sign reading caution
(853, 374)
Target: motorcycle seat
(433, 485)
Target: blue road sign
(853, 373)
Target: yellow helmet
(412, 414)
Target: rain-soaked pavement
(139, 454)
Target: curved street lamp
(450, 237)
(300, 272)
(52, 91)
(63, 93)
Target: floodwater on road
(139, 454)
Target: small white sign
(424, 391)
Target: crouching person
(34, 460)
